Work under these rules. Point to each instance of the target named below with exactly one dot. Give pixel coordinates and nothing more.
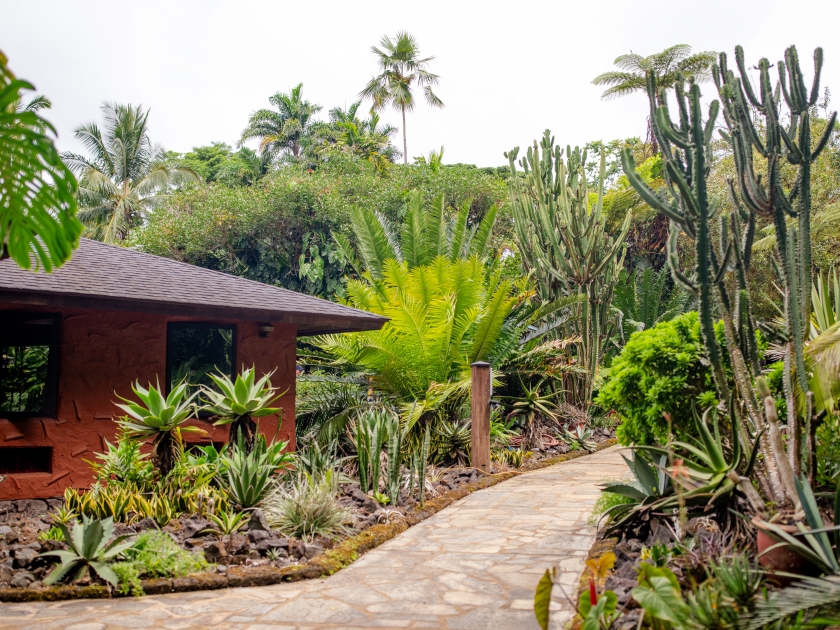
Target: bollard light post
(481, 388)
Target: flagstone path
(474, 565)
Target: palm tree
(401, 68)
(666, 65)
(283, 130)
(125, 175)
(346, 132)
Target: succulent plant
(89, 549)
(162, 418)
(238, 403)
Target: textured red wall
(102, 352)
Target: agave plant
(453, 441)
(89, 549)
(647, 488)
(530, 406)
(249, 473)
(579, 438)
(161, 418)
(238, 403)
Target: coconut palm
(286, 129)
(402, 69)
(124, 176)
(346, 132)
(667, 66)
(37, 191)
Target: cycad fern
(443, 317)
(426, 233)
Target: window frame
(8, 319)
(172, 326)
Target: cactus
(563, 241)
(686, 148)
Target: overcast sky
(508, 70)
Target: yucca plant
(90, 548)
(307, 507)
(162, 418)
(238, 403)
(372, 430)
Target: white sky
(508, 70)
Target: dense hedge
(278, 230)
(661, 370)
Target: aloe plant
(90, 548)
(249, 473)
(161, 418)
(238, 403)
(371, 435)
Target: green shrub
(307, 507)
(278, 231)
(659, 371)
(155, 555)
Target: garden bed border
(331, 561)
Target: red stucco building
(71, 339)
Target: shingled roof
(115, 278)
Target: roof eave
(307, 323)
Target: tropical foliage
(37, 191)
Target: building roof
(115, 278)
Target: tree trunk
(405, 143)
(248, 429)
(165, 453)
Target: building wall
(103, 352)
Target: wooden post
(481, 416)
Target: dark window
(25, 459)
(28, 364)
(194, 351)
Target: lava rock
(312, 551)
(33, 507)
(5, 530)
(281, 544)
(191, 528)
(238, 543)
(215, 551)
(146, 523)
(23, 557)
(22, 579)
(258, 521)
(256, 535)
(360, 496)
(53, 545)
(621, 586)
(5, 573)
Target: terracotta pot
(781, 559)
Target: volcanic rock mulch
(257, 555)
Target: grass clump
(155, 555)
(605, 501)
(307, 507)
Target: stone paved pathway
(474, 565)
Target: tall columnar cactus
(686, 151)
(562, 239)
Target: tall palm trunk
(405, 143)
